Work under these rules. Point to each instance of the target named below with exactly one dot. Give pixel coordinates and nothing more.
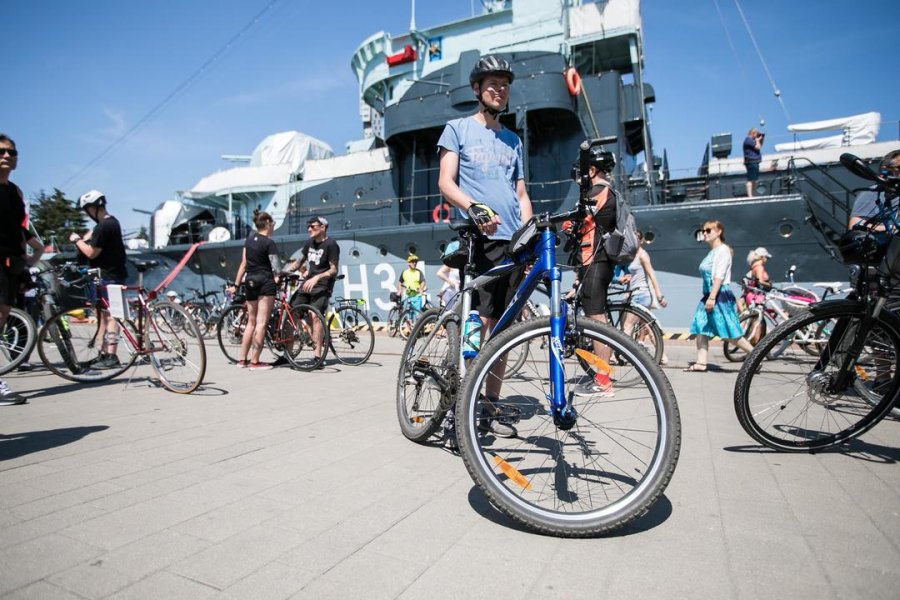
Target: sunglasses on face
(11, 151)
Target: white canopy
(856, 130)
(290, 147)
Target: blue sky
(78, 75)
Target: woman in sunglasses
(716, 313)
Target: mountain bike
(290, 330)
(404, 314)
(351, 337)
(160, 332)
(573, 466)
(800, 402)
(206, 307)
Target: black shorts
(491, 300)
(9, 279)
(594, 286)
(317, 298)
(752, 170)
(257, 285)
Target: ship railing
(838, 208)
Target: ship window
(354, 252)
(359, 193)
(326, 197)
(382, 250)
(649, 236)
(442, 246)
(223, 262)
(785, 230)
(411, 249)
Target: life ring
(438, 211)
(573, 81)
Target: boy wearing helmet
(412, 283)
(105, 250)
(482, 173)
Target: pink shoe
(260, 366)
(242, 364)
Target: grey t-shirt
(864, 206)
(490, 164)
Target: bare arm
(310, 283)
(449, 171)
(38, 249)
(524, 200)
(444, 275)
(651, 277)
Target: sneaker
(593, 388)
(110, 361)
(664, 360)
(490, 422)
(9, 397)
(242, 364)
(260, 366)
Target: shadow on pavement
(657, 515)
(858, 449)
(19, 444)
(74, 386)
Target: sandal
(696, 368)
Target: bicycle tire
(68, 345)
(601, 474)
(17, 339)
(230, 331)
(786, 405)
(298, 339)
(351, 337)
(753, 326)
(407, 322)
(175, 345)
(393, 322)
(645, 330)
(422, 399)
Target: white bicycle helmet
(91, 198)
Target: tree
(56, 216)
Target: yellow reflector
(594, 360)
(513, 473)
(861, 373)
(418, 419)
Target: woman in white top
(716, 314)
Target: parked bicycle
(574, 466)
(804, 402)
(70, 341)
(404, 314)
(290, 331)
(351, 337)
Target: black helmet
(604, 160)
(490, 65)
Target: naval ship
(579, 74)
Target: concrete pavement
(282, 484)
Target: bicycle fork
(564, 415)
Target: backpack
(621, 244)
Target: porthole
(698, 235)
(359, 193)
(223, 262)
(649, 237)
(354, 252)
(382, 250)
(411, 249)
(325, 197)
(442, 246)
(786, 230)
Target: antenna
(412, 17)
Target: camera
(761, 135)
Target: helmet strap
(493, 112)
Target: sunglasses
(11, 151)
(708, 230)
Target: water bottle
(471, 335)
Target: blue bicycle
(558, 462)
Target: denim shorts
(643, 298)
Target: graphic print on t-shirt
(315, 256)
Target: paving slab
(282, 484)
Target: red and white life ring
(573, 81)
(437, 215)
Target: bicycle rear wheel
(69, 345)
(428, 380)
(601, 473)
(393, 322)
(790, 403)
(230, 331)
(300, 333)
(352, 338)
(17, 339)
(407, 322)
(176, 347)
(753, 324)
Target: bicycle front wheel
(230, 331)
(429, 378)
(176, 347)
(351, 336)
(792, 403)
(304, 337)
(601, 473)
(393, 322)
(70, 343)
(753, 324)
(17, 338)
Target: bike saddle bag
(524, 239)
(862, 246)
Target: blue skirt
(721, 322)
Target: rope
(174, 272)
(590, 110)
(775, 89)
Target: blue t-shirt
(490, 164)
(751, 154)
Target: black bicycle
(835, 387)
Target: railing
(836, 202)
